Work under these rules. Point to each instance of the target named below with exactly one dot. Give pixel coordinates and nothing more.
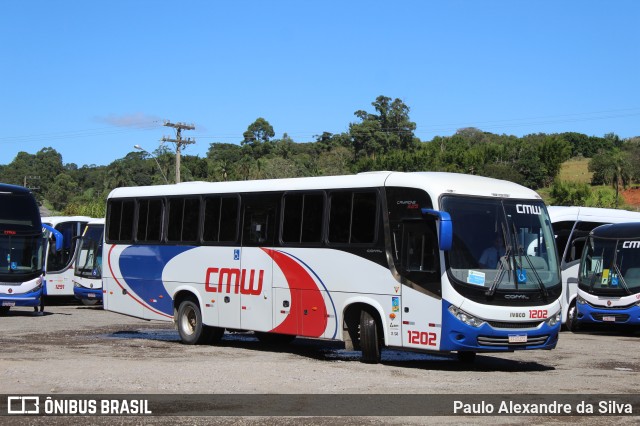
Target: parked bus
(87, 280)
(59, 263)
(571, 226)
(21, 249)
(380, 259)
(609, 281)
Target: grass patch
(576, 170)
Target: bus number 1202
(422, 338)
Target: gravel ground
(88, 351)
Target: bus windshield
(20, 255)
(501, 245)
(610, 267)
(89, 260)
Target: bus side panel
(116, 296)
(421, 320)
(60, 283)
(256, 290)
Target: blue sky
(93, 78)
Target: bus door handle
(285, 304)
(124, 291)
(227, 299)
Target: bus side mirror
(445, 228)
(56, 235)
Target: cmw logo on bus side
(528, 209)
(631, 244)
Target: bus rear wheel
(369, 340)
(190, 327)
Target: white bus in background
(380, 259)
(59, 265)
(87, 280)
(571, 226)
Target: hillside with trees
(382, 138)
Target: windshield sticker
(476, 278)
(614, 280)
(522, 276)
(605, 276)
(14, 265)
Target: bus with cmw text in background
(21, 249)
(382, 259)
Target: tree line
(381, 139)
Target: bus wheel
(89, 302)
(369, 341)
(572, 317)
(190, 327)
(4, 310)
(274, 338)
(466, 357)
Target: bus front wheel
(572, 317)
(190, 327)
(369, 340)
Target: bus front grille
(504, 341)
(618, 317)
(510, 325)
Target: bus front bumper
(22, 299)
(589, 314)
(83, 293)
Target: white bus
(21, 249)
(376, 259)
(59, 263)
(571, 226)
(609, 280)
(87, 280)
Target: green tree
(611, 168)
(61, 191)
(379, 133)
(565, 193)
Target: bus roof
(618, 230)
(591, 214)
(54, 220)
(435, 183)
(15, 189)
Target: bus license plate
(609, 319)
(517, 339)
(91, 295)
(8, 303)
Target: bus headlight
(580, 300)
(465, 317)
(554, 319)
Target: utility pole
(33, 188)
(178, 141)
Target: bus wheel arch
(363, 331)
(188, 321)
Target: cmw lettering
(528, 209)
(631, 244)
(220, 280)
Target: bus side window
(259, 220)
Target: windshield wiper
(622, 281)
(543, 289)
(501, 270)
